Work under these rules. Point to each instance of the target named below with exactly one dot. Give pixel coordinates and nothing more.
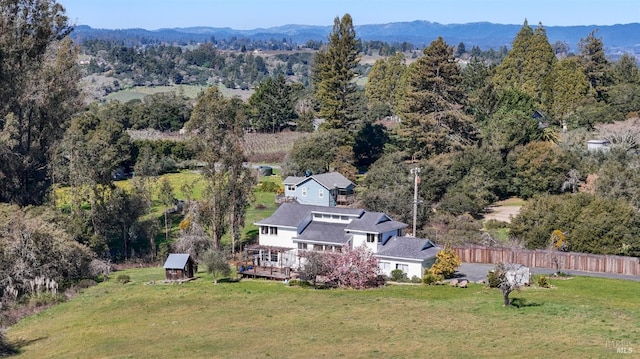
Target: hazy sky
(251, 14)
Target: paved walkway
(478, 271)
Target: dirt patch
(502, 213)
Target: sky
(252, 14)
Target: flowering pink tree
(356, 268)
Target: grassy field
(191, 91)
(578, 318)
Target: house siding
(284, 238)
(414, 268)
(313, 190)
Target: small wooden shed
(179, 266)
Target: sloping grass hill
(577, 318)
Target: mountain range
(617, 39)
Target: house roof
(408, 247)
(377, 222)
(324, 233)
(331, 180)
(176, 261)
(291, 214)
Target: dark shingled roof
(331, 180)
(176, 261)
(324, 232)
(291, 214)
(375, 222)
(408, 247)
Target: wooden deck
(273, 273)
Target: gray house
(326, 189)
(295, 228)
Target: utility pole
(416, 180)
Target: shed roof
(408, 247)
(176, 261)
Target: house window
(380, 238)
(304, 191)
(302, 246)
(264, 230)
(385, 267)
(320, 193)
(291, 188)
(273, 230)
(274, 256)
(371, 237)
(403, 267)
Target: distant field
(579, 317)
(191, 91)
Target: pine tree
(385, 79)
(333, 75)
(527, 65)
(595, 63)
(433, 118)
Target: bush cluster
(123, 279)
(493, 279)
(543, 281)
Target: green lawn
(577, 318)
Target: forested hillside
(482, 125)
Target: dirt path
(504, 210)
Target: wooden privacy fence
(550, 259)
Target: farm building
(179, 266)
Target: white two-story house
(295, 227)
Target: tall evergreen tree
(272, 104)
(595, 63)
(527, 65)
(433, 118)
(384, 81)
(569, 88)
(38, 95)
(333, 75)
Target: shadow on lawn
(13, 348)
(522, 303)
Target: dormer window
(371, 237)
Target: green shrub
(44, 299)
(431, 278)
(543, 281)
(397, 275)
(415, 279)
(299, 283)
(493, 279)
(495, 224)
(268, 186)
(123, 278)
(86, 283)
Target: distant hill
(617, 38)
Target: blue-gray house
(326, 189)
